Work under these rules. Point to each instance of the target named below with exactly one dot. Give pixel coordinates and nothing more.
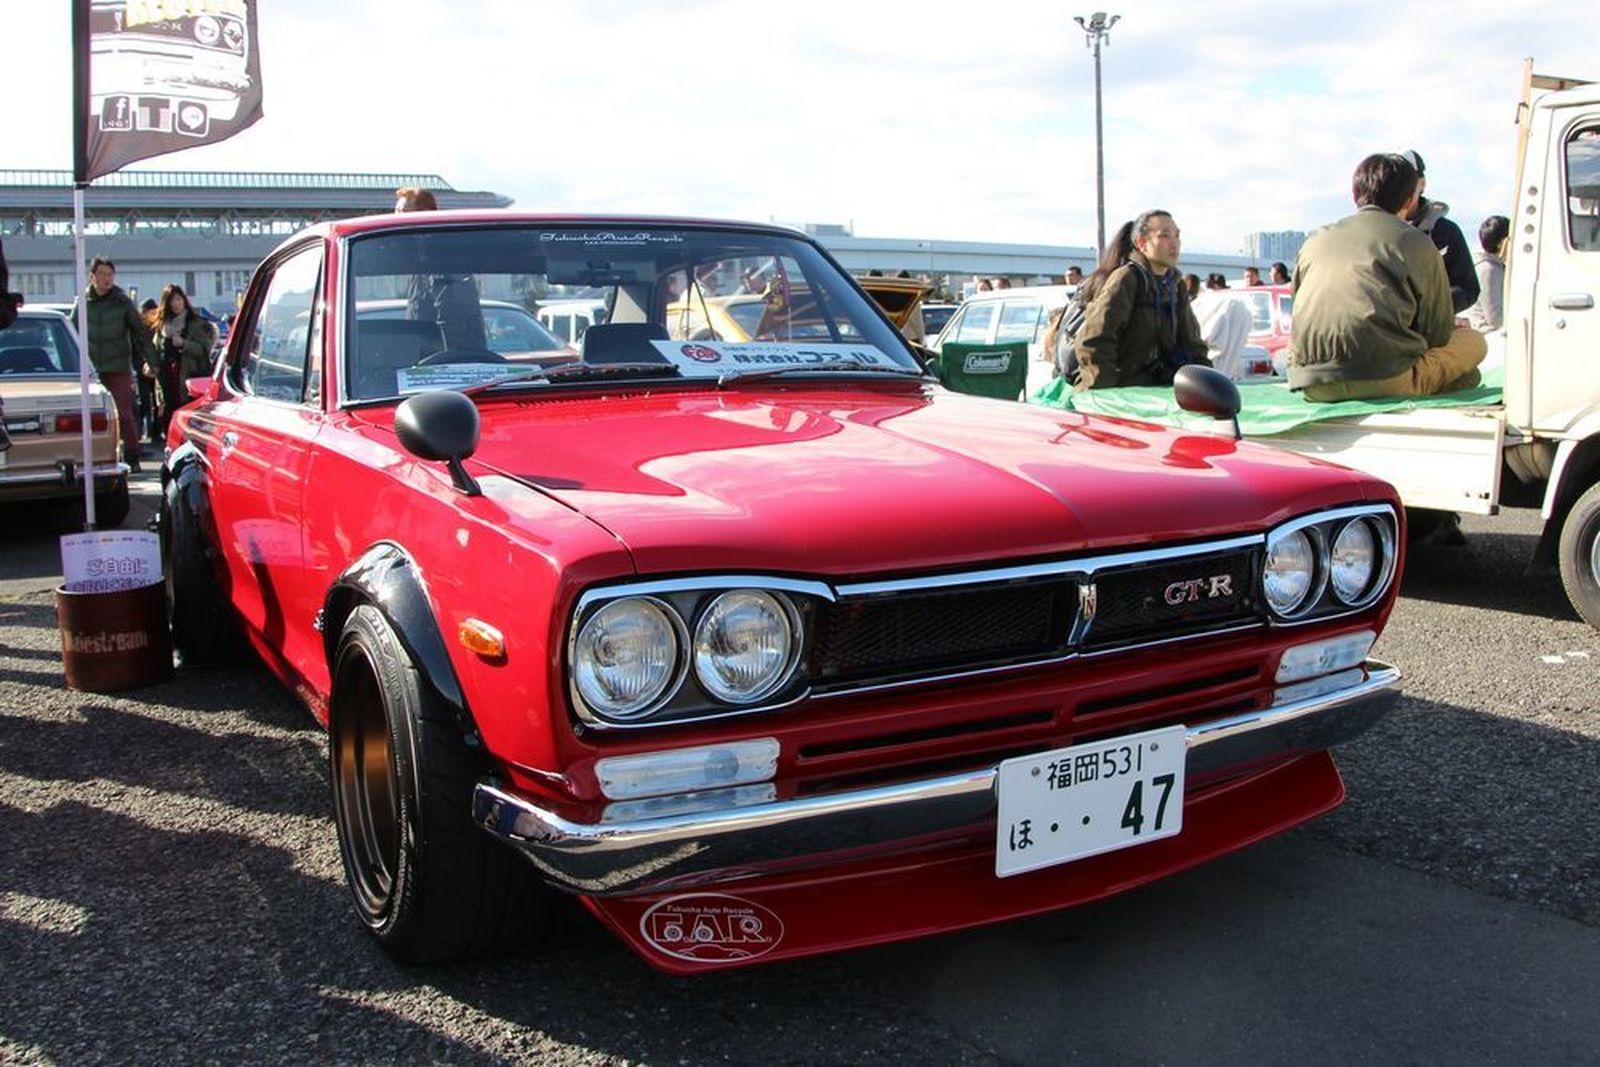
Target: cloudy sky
(932, 119)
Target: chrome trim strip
(1086, 566)
(709, 583)
(633, 856)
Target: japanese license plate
(1087, 799)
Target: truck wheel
(429, 885)
(1580, 556)
(202, 628)
(111, 506)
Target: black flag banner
(159, 76)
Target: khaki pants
(1451, 366)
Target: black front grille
(937, 630)
(1171, 598)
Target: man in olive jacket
(1372, 314)
(119, 347)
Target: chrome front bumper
(64, 477)
(632, 856)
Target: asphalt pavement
(170, 890)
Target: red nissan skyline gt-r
(761, 646)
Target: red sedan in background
(760, 646)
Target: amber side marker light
(479, 637)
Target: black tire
(203, 629)
(1580, 556)
(428, 884)
(111, 506)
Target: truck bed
(1439, 452)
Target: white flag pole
(82, 325)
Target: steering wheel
(460, 355)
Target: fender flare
(186, 470)
(388, 579)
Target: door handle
(1572, 301)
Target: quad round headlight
(1290, 572)
(207, 30)
(744, 646)
(625, 657)
(1353, 561)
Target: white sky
(932, 119)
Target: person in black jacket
(1429, 217)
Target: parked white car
(1009, 315)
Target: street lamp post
(1096, 29)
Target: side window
(274, 362)
(1583, 189)
(561, 326)
(1018, 321)
(974, 328)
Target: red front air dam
(737, 923)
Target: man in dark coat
(1429, 217)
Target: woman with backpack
(1137, 328)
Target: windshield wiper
(572, 372)
(850, 365)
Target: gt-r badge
(711, 928)
(1193, 589)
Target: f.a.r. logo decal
(711, 928)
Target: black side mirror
(1207, 391)
(441, 425)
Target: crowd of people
(1388, 300)
(162, 344)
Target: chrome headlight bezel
(1323, 529)
(662, 693)
(1381, 552)
(699, 655)
(1315, 573)
(688, 601)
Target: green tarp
(1268, 407)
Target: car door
(1566, 295)
(261, 434)
(1021, 320)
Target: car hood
(867, 480)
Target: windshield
(428, 308)
(38, 345)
